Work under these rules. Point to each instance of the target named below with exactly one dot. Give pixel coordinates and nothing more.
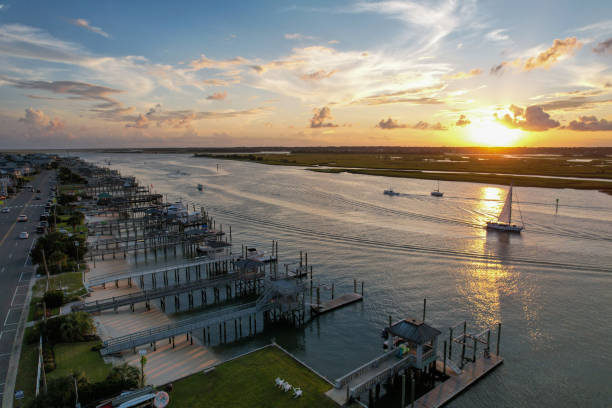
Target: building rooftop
(415, 331)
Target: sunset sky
(235, 73)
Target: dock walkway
(152, 294)
(154, 334)
(455, 385)
(336, 303)
(102, 280)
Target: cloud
(559, 50)
(589, 123)
(217, 96)
(462, 121)
(390, 124)
(604, 47)
(497, 35)
(533, 118)
(37, 119)
(74, 90)
(206, 63)
(320, 116)
(428, 24)
(141, 122)
(317, 75)
(80, 22)
(333, 42)
(18, 40)
(463, 75)
(215, 82)
(298, 36)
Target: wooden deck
(455, 385)
(337, 303)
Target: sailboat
(504, 221)
(437, 192)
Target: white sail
(506, 212)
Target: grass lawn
(249, 382)
(79, 356)
(26, 376)
(70, 282)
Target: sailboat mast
(510, 206)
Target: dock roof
(414, 330)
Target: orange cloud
(217, 96)
(464, 75)
(590, 123)
(545, 59)
(463, 121)
(320, 116)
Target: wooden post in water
(463, 343)
(444, 360)
(403, 390)
(450, 343)
(498, 337)
(332, 291)
(412, 390)
(424, 308)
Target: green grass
(26, 376)
(70, 282)
(79, 356)
(249, 382)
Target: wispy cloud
(217, 96)
(604, 47)
(391, 124)
(463, 75)
(298, 36)
(81, 22)
(497, 35)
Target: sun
(490, 133)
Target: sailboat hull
(499, 226)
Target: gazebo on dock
(416, 334)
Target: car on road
(38, 190)
(63, 231)
(40, 229)
(24, 235)
(22, 218)
(37, 198)
(5, 210)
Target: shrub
(54, 298)
(68, 328)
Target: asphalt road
(16, 268)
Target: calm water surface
(551, 287)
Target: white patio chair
(297, 392)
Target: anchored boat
(200, 187)
(504, 221)
(437, 192)
(391, 192)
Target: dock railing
(347, 378)
(383, 375)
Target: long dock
(455, 385)
(155, 334)
(148, 295)
(336, 303)
(134, 275)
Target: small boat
(261, 256)
(504, 221)
(390, 192)
(200, 187)
(437, 192)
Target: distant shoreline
(536, 171)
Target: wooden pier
(455, 385)
(336, 303)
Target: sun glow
(490, 133)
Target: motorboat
(391, 192)
(260, 256)
(504, 221)
(200, 187)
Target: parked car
(43, 216)
(38, 190)
(22, 218)
(62, 230)
(5, 210)
(24, 235)
(37, 198)
(40, 229)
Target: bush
(69, 328)
(54, 298)
(48, 358)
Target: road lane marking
(28, 255)
(4, 269)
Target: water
(550, 286)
